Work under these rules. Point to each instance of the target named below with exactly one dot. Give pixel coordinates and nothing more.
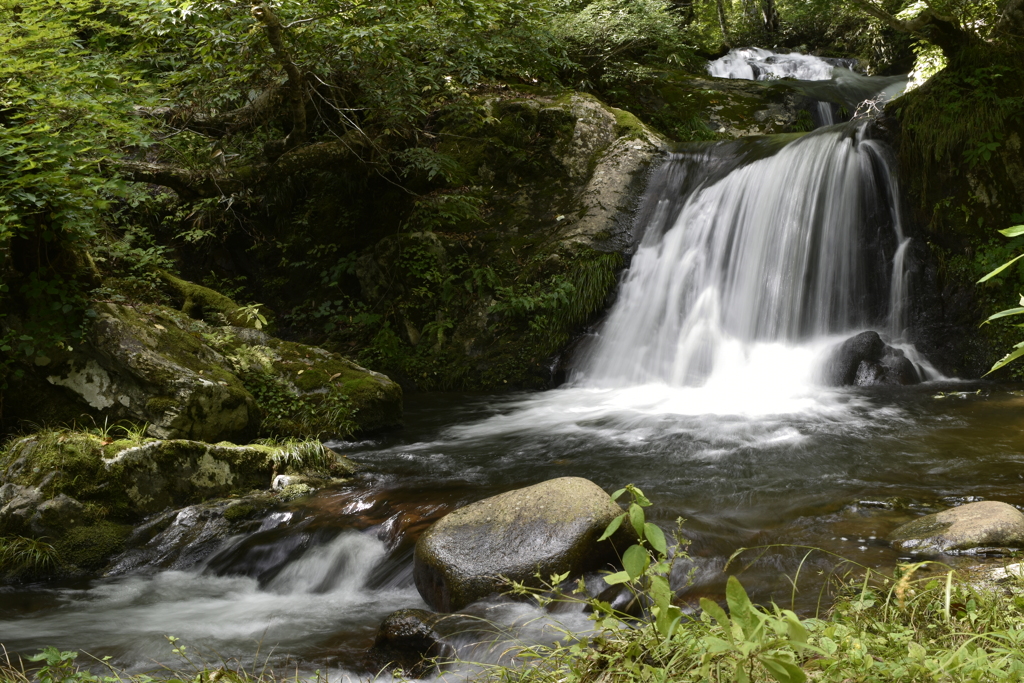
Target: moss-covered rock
(971, 528)
(184, 379)
(545, 529)
(213, 307)
(305, 391)
(488, 303)
(84, 492)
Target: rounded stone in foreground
(550, 528)
(971, 527)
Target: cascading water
(783, 249)
(831, 82)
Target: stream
(753, 259)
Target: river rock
(866, 360)
(185, 379)
(408, 638)
(551, 527)
(965, 529)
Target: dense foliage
(250, 116)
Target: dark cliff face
(962, 176)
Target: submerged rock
(408, 638)
(865, 360)
(187, 380)
(971, 528)
(548, 528)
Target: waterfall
(741, 249)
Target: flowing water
(752, 259)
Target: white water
(838, 84)
(756, 64)
(306, 603)
(754, 272)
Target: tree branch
(939, 30)
(187, 183)
(221, 125)
(296, 84)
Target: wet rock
(408, 638)
(865, 360)
(969, 529)
(551, 527)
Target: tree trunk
(723, 22)
(770, 17)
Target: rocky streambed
(319, 571)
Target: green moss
(160, 404)
(238, 511)
(627, 125)
(206, 304)
(91, 547)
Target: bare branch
(221, 125)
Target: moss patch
(90, 547)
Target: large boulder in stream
(548, 528)
(866, 360)
(186, 379)
(969, 529)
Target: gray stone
(60, 513)
(865, 360)
(548, 528)
(967, 529)
(408, 638)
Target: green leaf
(661, 592)
(781, 670)
(1000, 269)
(612, 527)
(1015, 231)
(636, 517)
(616, 578)
(797, 631)
(1004, 314)
(618, 494)
(635, 561)
(740, 607)
(1006, 360)
(656, 537)
(718, 614)
(741, 673)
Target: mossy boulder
(148, 365)
(184, 379)
(968, 529)
(548, 528)
(85, 492)
(306, 391)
